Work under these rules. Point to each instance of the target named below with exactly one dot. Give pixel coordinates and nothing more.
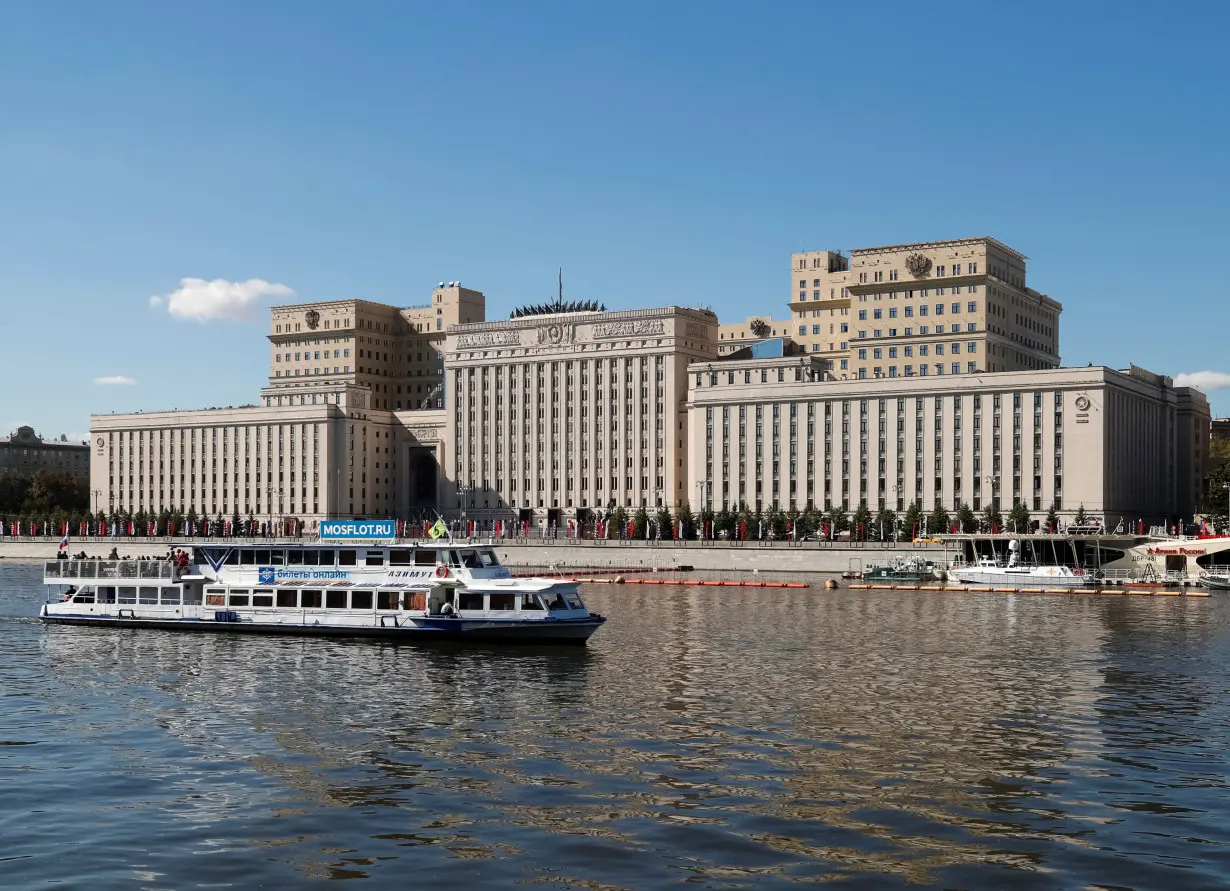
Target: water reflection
(736, 738)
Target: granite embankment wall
(788, 557)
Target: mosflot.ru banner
(357, 530)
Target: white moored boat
(1014, 574)
(432, 591)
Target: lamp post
(1227, 488)
(463, 493)
(97, 493)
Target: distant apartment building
(26, 453)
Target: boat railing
(109, 569)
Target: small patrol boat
(395, 591)
(902, 570)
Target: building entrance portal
(423, 477)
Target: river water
(713, 738)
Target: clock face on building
(1082, 403)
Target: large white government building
(565, 409)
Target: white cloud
(114, 379)
(1203, 380)
(200, 301)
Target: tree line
(44, 493)
(861, 524)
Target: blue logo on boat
(268, 575)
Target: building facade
(26, 453)
(350, 423)
(925, 372)
(914, 310)
(552, 416)
(393, 352)
(787, 433)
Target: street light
(463, 493)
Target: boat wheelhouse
(407, 592)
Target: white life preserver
(441, 570)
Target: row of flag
(149, 529)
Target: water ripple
(745, 739)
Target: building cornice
(933, 245)
(583, 318)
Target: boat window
(192, 596)
(247, 557)
(262, 558)
(335, 600)
(504, 600)
(86, 595)
(529, 601)
(106, 595)
(310, 600)
(386, 600)
(232, 557)
(557, 602)
(453, 559)
(399, 557)
(147, 595)
(414, 600)
(425, 557)
(346, 558)
(469, 559)
(488, 557)
(128, 595)
(238, 598)
(287, 599)
(311, 558)
(169, 596)
(469, 600)
(213, 597)
(574, 600)
(262, 597)
(277, 558)
(361, 600)
(375, 558)
(294, 558)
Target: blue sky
(660, 153)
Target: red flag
(994, 528)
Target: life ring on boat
(441, 570)
(1078, 572)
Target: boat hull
(547, 632)
(1021, 580)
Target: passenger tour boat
(357, 581)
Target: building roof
(26, 436)
(955, 242)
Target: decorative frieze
(637, 328)
(489, 339)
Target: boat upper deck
(156, 571)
